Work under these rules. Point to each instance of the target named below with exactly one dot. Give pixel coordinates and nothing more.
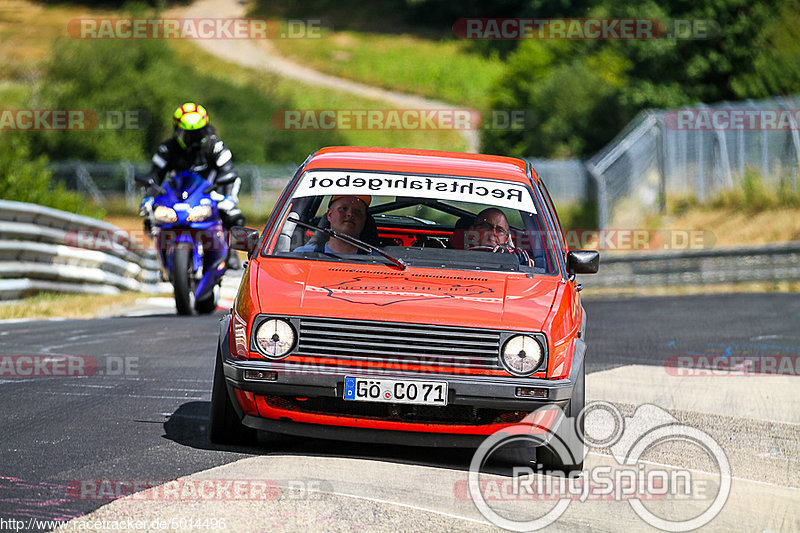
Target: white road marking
(698, 471)
(770, 398)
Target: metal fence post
(794, 137)
(130, 184)
(661, 148)
(603, 209)
(701, 170)
(87, 183)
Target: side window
(552, 207)
(557, 236)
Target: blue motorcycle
(190, 240)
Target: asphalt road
(141, 413)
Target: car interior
(410, 222)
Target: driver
(490, 232)
(346, 214)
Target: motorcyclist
(195, 146)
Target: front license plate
(395, 391)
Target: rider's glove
(217, 197)
(228, 204)
(146, 206)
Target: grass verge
(310, 97)
(445, 70)
(58, 305)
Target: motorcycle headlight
(165, 214)
(275, 338)
(199, 212)
(522, 355)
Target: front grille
(412, 346)
(422, 414)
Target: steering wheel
(432, 243)
(496, 249)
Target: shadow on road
(188, 426)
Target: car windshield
(427, 221)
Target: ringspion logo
(547, 493)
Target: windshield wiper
(361, 245)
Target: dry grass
(27, 32)
(52, 305)
(733, 227)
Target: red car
(408, 296)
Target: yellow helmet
(191, 121)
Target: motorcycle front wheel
(183, 279)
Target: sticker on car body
(495, 192)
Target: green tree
(582, 97)
(146, 79)
(24, 178)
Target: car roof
(400, 160)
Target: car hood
(417, 295)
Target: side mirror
(583, 262)
(243, 239)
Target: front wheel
(183, 279)
(224, 426)
(569, 436)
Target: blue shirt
(312, 247)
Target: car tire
(224, 426)
(527, 453)
(570, 433)
(183, 280)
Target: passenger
(489, 232)
(346, 214)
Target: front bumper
(490, 392)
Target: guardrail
(44, 249)
(775, 262)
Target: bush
(27, 179)
(147, 78)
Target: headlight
(275, 338)
(198, 213)
(165, 214)
(522, 355)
